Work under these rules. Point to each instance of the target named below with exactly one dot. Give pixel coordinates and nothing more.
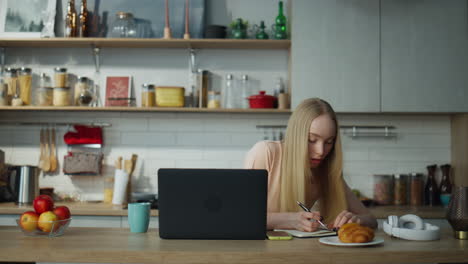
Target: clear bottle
(123, 26)
(71, 27)
(229, 98)
(44, 93)
(245, 92)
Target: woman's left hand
(346, 217)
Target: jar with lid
(3, 93)
(11, 80)
(61, 96)
(25, 79)
(416, 189)
(44, 93)
(123, 26)
(401, 189)
(61, 77)
(214, 99)
(148, 95)
(83, 96)
(383, 189)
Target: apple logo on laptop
(213, 203)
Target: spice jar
(401, 189)
(416, 186)
(214, 99)
(148, 95)
(61, 96)
(3, 93)
(383, 189)
(44, 93)
(11, 80)
(83, 96)
(25, 79)
(61, 77)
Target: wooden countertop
(76, 208)
(108, 245)
(101, 209)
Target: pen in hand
(307, 210)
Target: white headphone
(410, 227)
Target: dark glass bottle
(431, 191)
(83, 30)
(445, 184)
(70, 20)
(280, 31)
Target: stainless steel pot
(23, 182)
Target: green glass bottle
(280, 23)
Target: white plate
(334, 241)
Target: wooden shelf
(139, 109)
(146, 43)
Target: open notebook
(319, 233)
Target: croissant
(355, 233)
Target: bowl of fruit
(45, 220)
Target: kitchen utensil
(457, 213)
(53, 157)
(46, 163)
(23, 182)
(262, 100)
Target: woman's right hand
(306, 221)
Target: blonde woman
(307, 166)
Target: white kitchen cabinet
(424, 60)
(335, 53)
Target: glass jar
(148, 95)
(83, 96)
(25, 79)
(61, 77)
(11, 80)
(383, 189)
(214, 99)
(3, 93)
(416, 189)
(123, 26)
(44, 93)
(401, 189)
(61, 96)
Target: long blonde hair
(296, 172)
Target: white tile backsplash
(218, 140)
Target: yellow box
(170, 96)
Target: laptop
(212, 203)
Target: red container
(262, 100)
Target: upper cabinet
(424, 62)
(335, 53)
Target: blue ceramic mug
(138, 217)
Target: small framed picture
(118, 91)
(27, 18)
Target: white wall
(189, 140)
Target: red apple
(46, 221)
(62, 212)
(43, 203)
(28, 221)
